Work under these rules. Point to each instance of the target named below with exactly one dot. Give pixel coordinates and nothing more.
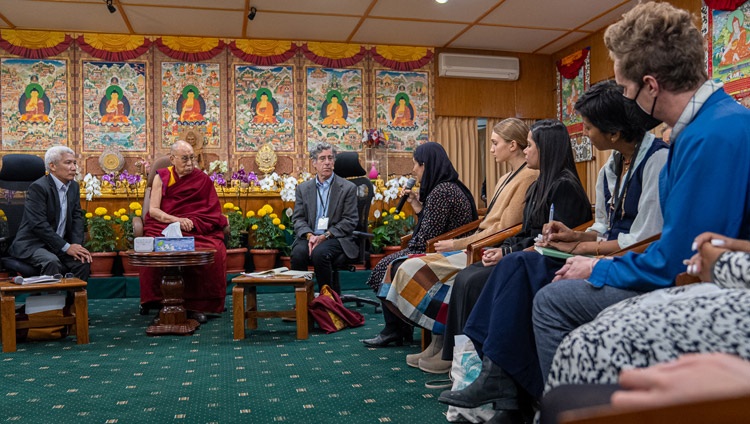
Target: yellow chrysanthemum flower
(392, 210)
(107, 218)
(134, 206)
(276, 221)
(100, 211)
(124, 218)
(261, 213)
(5, 218)
(89, 215)
(385, 213)
(385, 222)
(117, 214)
(396, 217)
(268, 208)
(250, 214)
(273, 216)
(2, 212)
(254, 227)
(282, 227)
(137, 212)
(229, 205)
(122, 211)
(402, 215)
(236, 208)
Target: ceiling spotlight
(442, 1)
(110, 7)
(252, 13)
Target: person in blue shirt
(659, 60)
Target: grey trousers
(563, 306)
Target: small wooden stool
(247, 286)
(79, 318)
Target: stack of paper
(280, 272)
(36, 280)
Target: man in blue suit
(51, 233)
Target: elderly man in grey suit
(325, 215)
(51, 233)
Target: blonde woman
(505, 209)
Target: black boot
(492, 385)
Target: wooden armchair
(139, 221)
(718, 411)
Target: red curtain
(729, 5)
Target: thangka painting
(403, 108)
(573, 80)
(334, 107)
(114, 106)
(34, 104)
(190, 99)
(264, 107)
(729, 47)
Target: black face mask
(639, 117)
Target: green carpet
(124, 376)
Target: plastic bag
(465, 369)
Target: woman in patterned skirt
(442, 204)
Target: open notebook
(280, 272)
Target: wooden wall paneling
(529, 97)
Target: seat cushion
(12, 264)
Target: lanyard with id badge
(322, 224)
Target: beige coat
(508, 208)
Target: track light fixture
(110, 7)
(252, 13)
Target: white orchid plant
(93, 186)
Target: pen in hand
(549, 225)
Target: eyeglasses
(60, 276)
(326, 158)
(185, 159)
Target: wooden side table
(172, 316)
(246, 289)
(79, 318)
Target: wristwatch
(327, 235)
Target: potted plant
(388, 229)
(101, 242)
(266, 236)
(125, 220)
(235, 251)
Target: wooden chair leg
(238, 311)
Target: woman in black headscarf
(443, 203)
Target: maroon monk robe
(192, 196)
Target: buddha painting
(334, 110)
(402, 112)
(191, 105)
(34, 105)
(265, 107)
(737, 47)
(114, 106)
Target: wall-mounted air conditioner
(477, 66)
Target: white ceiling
(528, 26)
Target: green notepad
(554, 253)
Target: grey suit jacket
(41, 216)
(342, 213)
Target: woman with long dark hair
(443, 203)
(627, 211)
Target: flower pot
(375, 258)
(286, 261)
(391, 249)
(127, 269)
(264, 259)
(101, 264)
(236, 260)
